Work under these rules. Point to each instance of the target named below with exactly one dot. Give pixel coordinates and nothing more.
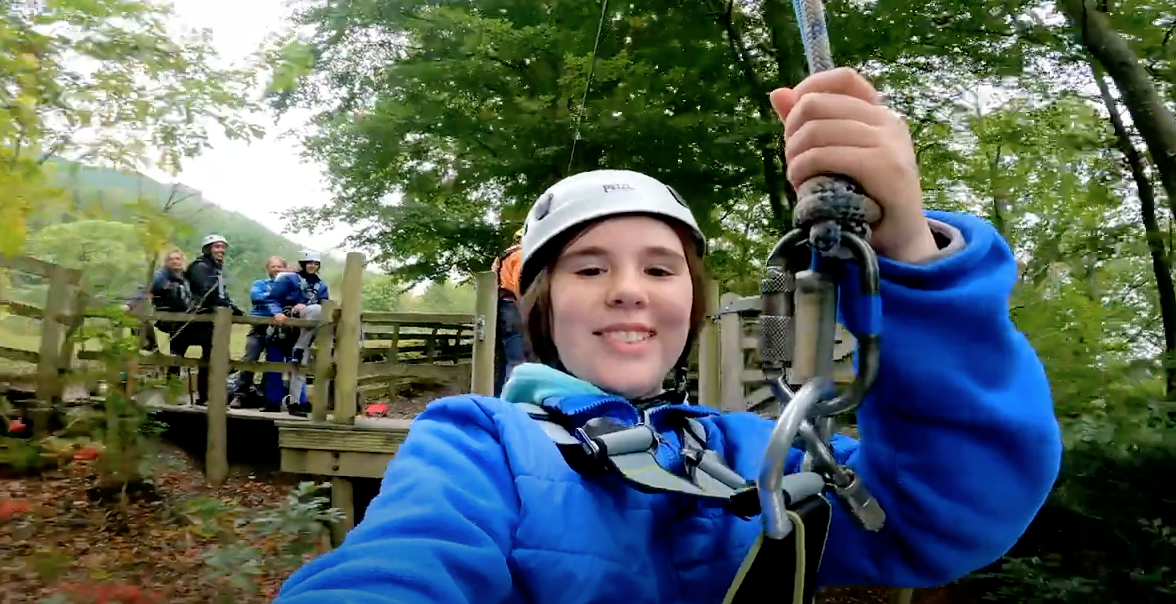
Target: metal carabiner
(867, 335)
(770, 482)
(809, 412)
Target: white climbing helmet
(211, 239)
(310, 256)
(588, 196)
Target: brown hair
(536, 302)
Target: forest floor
(59, 544)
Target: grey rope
(587, 83)
(826, 204)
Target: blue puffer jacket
(259, 296)
(290, 289)
(959, 446)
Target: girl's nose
(626, 290)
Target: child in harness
(959, 444)
(298, 294)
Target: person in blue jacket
(298, 294)
(959, 444)
(259, 297)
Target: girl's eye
(657, 271)
(591, 271)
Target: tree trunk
(758, 93)
(1151, 229)
(1150, 115)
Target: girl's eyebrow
(656, 251)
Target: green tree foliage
(109, 82)
(106, 252)
(439, 123)
(167, 217)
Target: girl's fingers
(828, 106)
(782, 99)
(846, 161)
(830, 133)
(841, 80)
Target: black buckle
(745, 503)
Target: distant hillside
(96, 192)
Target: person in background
(210, 291)
(510, 350)
(298, 295)
(170, 292)
(259, 296)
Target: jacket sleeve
(159, 285)
(959, 443)
(259, 291)
(276, 295)
(440, 528)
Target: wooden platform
(359, 450)
(362, 450)
(156, 400)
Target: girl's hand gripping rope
(835, 124)
(853, 166)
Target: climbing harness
(309, 290)
(604, 446)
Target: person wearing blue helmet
(959, 444)
(299, 294)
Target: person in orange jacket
(510, 350)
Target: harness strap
(309, 290)
(801, 550)
(601, 447)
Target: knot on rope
(835, 200)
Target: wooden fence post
(48, 377)
(347, 357)
(731, 356)
(77, 318)
(485, 334)
(709, 389)
(347, 342)
(324, 341)
(216, 455)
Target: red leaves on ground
(55, 540)
(8, 509)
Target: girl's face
(620, 300)
(175, 261)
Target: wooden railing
(406, 345)
(60, 318)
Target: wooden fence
(353, 350)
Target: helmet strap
(680, 379)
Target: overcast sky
(265, 177)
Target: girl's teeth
(627, 336)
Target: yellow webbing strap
(762, 570)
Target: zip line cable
(587, 83)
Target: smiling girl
(959, 445)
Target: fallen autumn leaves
(57, 545)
